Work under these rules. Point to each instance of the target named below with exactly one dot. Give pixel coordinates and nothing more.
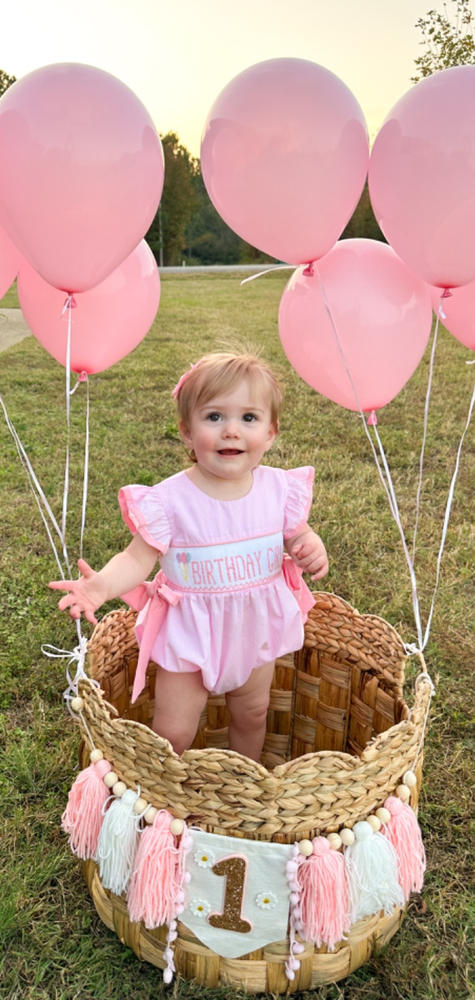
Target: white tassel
(372, 873)
(118, 842)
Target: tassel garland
(403, 832)
(323, 895)
(372, 871)
(118, 842)
(156, 888)
(83, 816)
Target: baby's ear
(273, 432)
(184, 433)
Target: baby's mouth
(230, 451)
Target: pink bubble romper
(226, 598)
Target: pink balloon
(382, 314)
(110, 319)
(9, 263)
(284, 157)
(459, 312)
(81, 172)
(422, 177)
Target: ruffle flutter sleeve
(143, 511)
(298, 500)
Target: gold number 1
(233, 869)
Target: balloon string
(86, 467)
(353, 386)
(396, 516)
(278, 267)
(40, 498)
(67, 308)
(385, 476)
(447, 516)
(424, 434)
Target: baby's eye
(249, 417)
(213, 416)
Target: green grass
(53, 943)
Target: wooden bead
(77, 704)
(409, 779)
(150, 815)
(110, 779)
(176, 827)
(403, 793)
(335, 841)
(306, 848)
(140, 806)
(95, 756)
(119, 788)
(374, 822)
(383, 814)
(347, 837)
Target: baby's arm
(122, 573)
(308, 552)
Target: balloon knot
(308, 270)
(372, 419)
(446, 294)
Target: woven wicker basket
(339, 739)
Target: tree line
(187, 228)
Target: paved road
(12, 327)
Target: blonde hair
(219, 373)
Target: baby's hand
(84, 595)
(310, 554)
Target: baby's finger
(322, 571)
(85, 569)
(91, 617)
(66, 601)
(60, 584)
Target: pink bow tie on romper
(158, 596)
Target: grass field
(53, 945)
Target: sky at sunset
(177, 56)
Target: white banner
(238, 895)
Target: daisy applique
(199, 907)
(266, 900)
(204, 859)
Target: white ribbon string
(39, 496)
(86, 469)
(410, 565)
(424, 434)
(387, 482)
(67, 308)
(277, 267)
(77, 656)
(447, 517)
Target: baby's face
(231, 432)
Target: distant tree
(167, 234)
(5, 81)
(210, 240)
(362, 224)
(447, 38)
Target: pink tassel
(156, 888)
(404, 834)
(82, 818)
(323, 895)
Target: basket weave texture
(339, 739)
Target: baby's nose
(231, 428)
